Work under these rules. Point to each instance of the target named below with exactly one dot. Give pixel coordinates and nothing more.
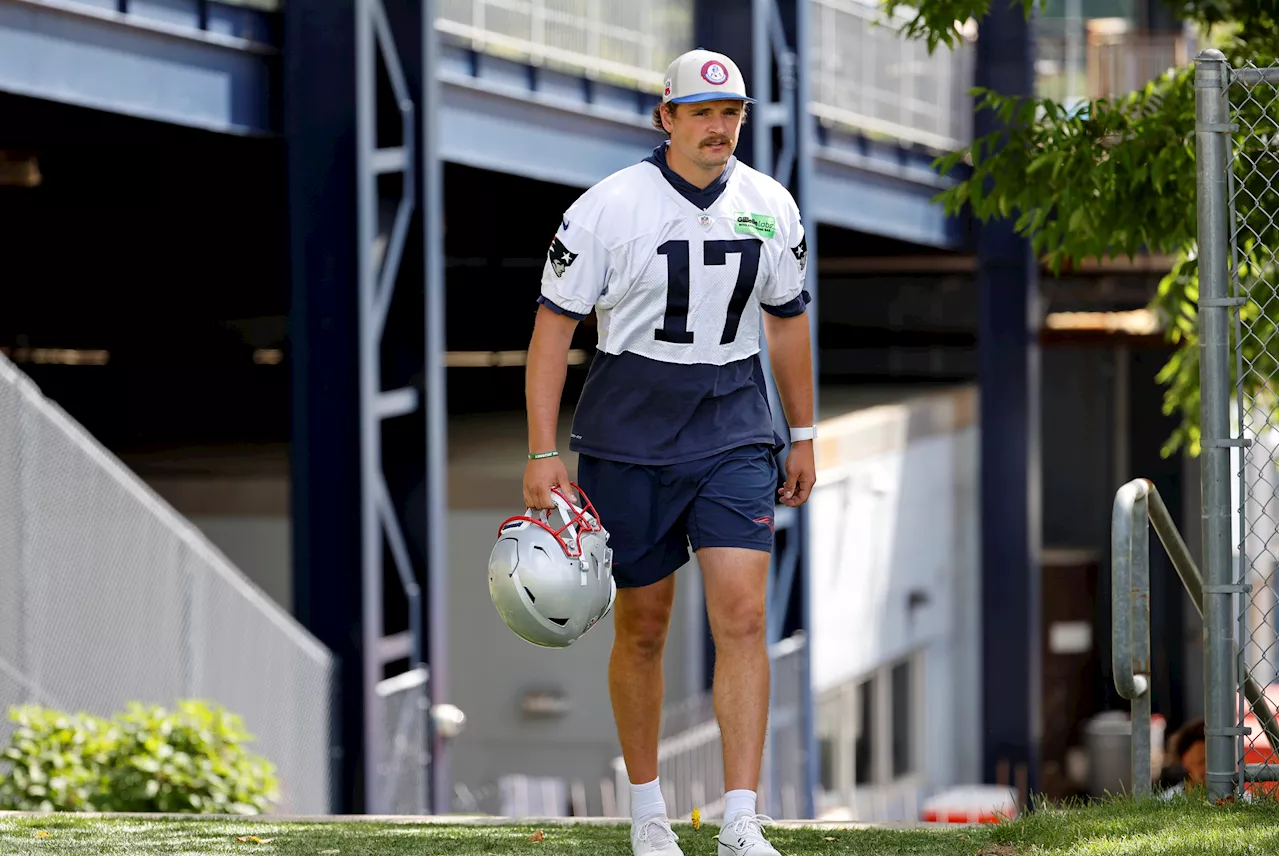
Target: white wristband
(807, 433)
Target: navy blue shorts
(655, 513)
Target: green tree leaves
(1117, 178)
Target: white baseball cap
(702, 75)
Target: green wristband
(536, 456)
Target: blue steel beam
(1009, 377)
(138, 65)
(881, 189)
(324, 452)
(511, 118)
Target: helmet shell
(552, 582)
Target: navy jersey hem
(793, 307)
(684, 458)
(560, 310)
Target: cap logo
(715, 73)
(667, 91)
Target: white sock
(646, 801)
(737, 803)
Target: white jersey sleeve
(578, 266)
(783, 292)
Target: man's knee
(735, 582)
(741, 622)
(642, 616)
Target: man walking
(678, 255)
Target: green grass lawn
(1118, 828)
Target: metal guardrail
(867, 76)
(1136, 503)
(630, 44)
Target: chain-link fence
(1238, 240)
(109, 596)
(405, 752)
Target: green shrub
(147, 759)
(57, 761)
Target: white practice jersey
(670, 281)
(677, 281)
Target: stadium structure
(270, 271)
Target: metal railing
(107, 596)
(629, 44)
(690, 760)
(1135, 504)
(867, 76)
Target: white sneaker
(744, 836)
(654, 837)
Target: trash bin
(1107, 737)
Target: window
(903, 717)
(865, 725)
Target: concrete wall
(895, 557)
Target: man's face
(1193, 763)
(707, 133)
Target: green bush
(147, 759)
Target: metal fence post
(1215, 393)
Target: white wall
(895, 518)
(258, 545)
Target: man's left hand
(801, 474)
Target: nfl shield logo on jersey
(560, 257)
(801, 252)
(705, 220)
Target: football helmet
(551, 581)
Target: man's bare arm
(792, 359)
(791, 356)
(545, 373)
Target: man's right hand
(540, 476)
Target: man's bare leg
(734, 580)
(641, 617)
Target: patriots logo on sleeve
(560, 257)
(801, 252)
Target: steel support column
(365, 191)
(379, 253)
(1009, 377)
(766, 38)
(320, 111)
